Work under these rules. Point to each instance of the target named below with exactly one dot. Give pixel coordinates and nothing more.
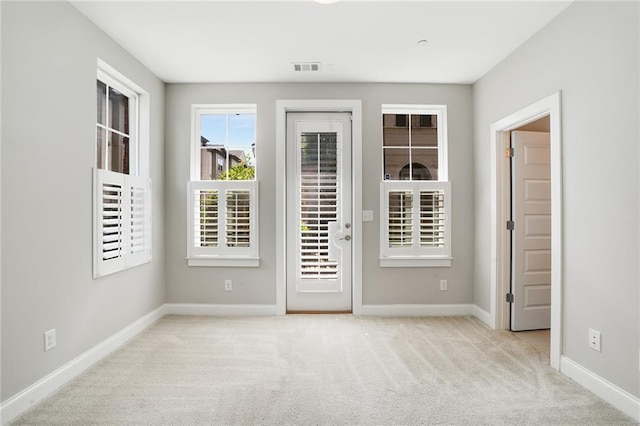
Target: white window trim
(417, 257)
(222, 255)
(138, 175)
(219, 257)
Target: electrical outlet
(228, 286)
(49, 339)
(594, 339)
(443, 285)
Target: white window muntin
(197, 111)
(440, 111)
(107, 77)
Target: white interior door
(531, 236)
(318, 212)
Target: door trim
(499, 197)
(283, 106)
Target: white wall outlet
(594, 339)
(367, 215)
(444, 286)
(49, 339)
(228, 285)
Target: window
(122, 196)
(415, 195)
(223, 191)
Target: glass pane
(101, 95)
(118, 111)
(228, 146)
(392, 134)
(394, 161)
(424, 131)
(318, 203)
(101, 148)
(118, 153)
(424, 164)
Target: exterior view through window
(410, 144)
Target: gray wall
(48, 104)
(590, 52)
(380, 285)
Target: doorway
(285, 228)
(318, 213)
(501, 261)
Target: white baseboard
(22, 401)
(219, 310)
(619, 398)
(483, 316)
(417, 310)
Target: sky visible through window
(238, 133)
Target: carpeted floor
(323, 370)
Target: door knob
(346, 238)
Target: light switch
(367, 215)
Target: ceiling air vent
(306, 66)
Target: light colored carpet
(323, 370)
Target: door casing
(500, 181)
(283, 106)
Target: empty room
(319, 212)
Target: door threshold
(319, 312)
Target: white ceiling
(355, 41)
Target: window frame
(416, 255)
(220, 256)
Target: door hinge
(510, 297)
(511, 225)
(508, 152)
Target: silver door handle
(346, 238)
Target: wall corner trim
(614, 395)
(409, 310)
(27, 398)
(219, 310)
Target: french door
(318, 212)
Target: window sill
(415, 262)
(241, 262)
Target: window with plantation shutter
(222, 195)
(222, 223)
(415, 195)
(122, 197)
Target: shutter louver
(138, 230)
(206, 218)
(111, 221)
(400, 215)
(432, 219)
(318, 192)
(238, 218)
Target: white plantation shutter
(222, 223)
(122, 227)
(318, 204)
(417, 224)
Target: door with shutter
(531, 236)
(319, 212)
